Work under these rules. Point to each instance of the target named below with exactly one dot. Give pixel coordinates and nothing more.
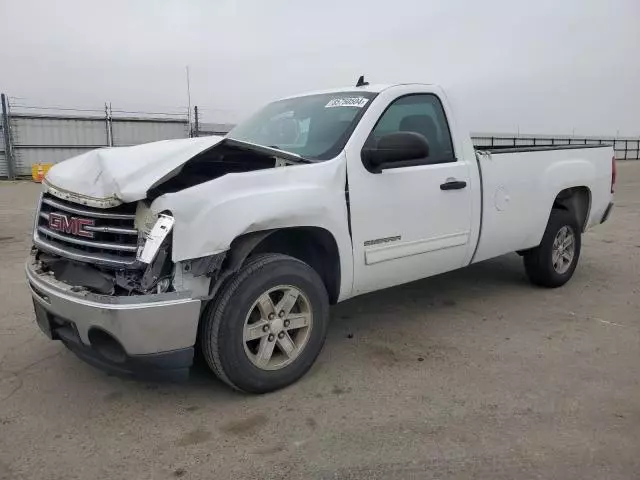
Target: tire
(541, 264)
(225, 324)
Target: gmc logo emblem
(73, 225)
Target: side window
(420, 113)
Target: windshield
(314, 126)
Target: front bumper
(145, 335)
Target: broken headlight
(155, 253)
(148, 250)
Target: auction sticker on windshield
(357, 102)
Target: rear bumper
(147, 335)
(607, 212)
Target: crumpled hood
(124, 174)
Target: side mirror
(394, 149)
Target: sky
(561, 67)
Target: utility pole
(111, 125)
(107, 125)
(189, 102)
(196, 122)
(8, 152)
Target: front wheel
(552, 263)
(268, 325)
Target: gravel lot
(472, 374)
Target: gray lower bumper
(142, 325)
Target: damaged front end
(110, 251)
(103, 282)
(108, 246)
(119, 251)
(139, 278)
(112, 274)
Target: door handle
(453, 185)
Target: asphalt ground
(472, 374)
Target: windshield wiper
(297, 155)
(271, 150)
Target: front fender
(209, 216)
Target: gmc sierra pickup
(237, 245)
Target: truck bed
(520, 184)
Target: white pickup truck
(237, 245)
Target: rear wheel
(268, 325)
(553, 262)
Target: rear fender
(556, 178)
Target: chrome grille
(107, 236)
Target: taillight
(614, 173)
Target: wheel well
(313, 245)
(576, 200)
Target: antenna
(189, 101)
(361, 82)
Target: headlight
(163, 285)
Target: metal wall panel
(58, 131)
(134, 132)
(25, 157)
(205, 129)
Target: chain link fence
(626, 148)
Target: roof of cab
(366, 88)
(375, 88)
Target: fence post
(626, 147)
(113, 142)
(6, 126)
(196, 128)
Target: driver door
(406, 224)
